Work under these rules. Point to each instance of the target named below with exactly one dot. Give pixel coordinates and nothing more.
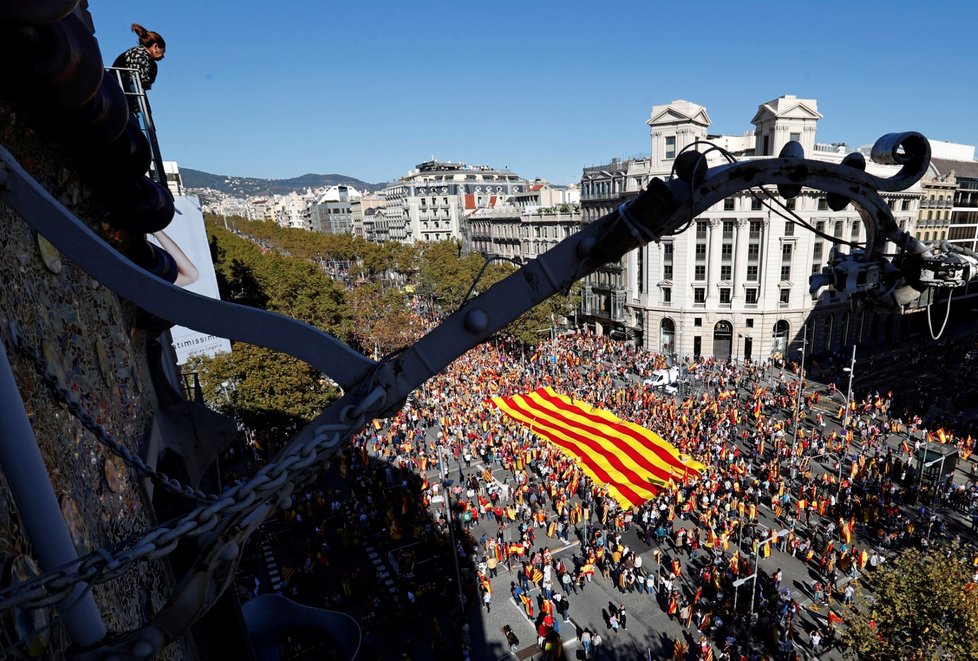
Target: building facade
(433, 201)
(735, 283)
(332, 213)
(518, 235)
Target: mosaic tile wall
(86, 333)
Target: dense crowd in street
(840, 486)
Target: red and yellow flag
(632, 461)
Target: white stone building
(293, 210)
(735, 283)
(431, 202)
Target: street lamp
(801, 386)
(851, 369)
(845, 419)
(753, 579)
(446, 484)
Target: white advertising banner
(186, 240)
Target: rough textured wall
(86, 335)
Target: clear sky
(369, 89)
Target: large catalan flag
(631, 460)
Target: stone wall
(87, 337)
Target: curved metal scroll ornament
(661, 210)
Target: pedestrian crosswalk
(275, 576)
(383, 575)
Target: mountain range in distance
(253, 186)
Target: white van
(663, 378)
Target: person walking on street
(622, 619)
(586, 642)
(514, 642)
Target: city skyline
(370, 90)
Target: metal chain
(295, 469)
(278, 479)
(70, 400)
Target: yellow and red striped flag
(632, 461)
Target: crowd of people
(840, 483)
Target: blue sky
(369, 89)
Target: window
(755, 203)
(749, 322)
(905, 205)
(670, 146)
(820, 225)
(786, 251)
(728, 204)
(755, 228)
(817, 250)
(698, 322)
(667, 271)
(728, 229)
(700, 251)
(753, 250)
(750, 297)
(752, 272)
(725, 295)
(786, 272)
(840, 226)
(699, 296)
(790, 203)
(667, 249)
(725, 272)
(855, 232)
(726, 251)
(785, 296)
(699, 272)
(789, 228)
(667, 294)
(823, 204)
(701, 226)
(795, 136)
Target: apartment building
(518, 234)
(735, 283)
(293, 210)
(432, 202)
(956, 164)
(333, 213)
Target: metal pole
(801, 386)
(451, 520)
(679, 355)
(852, 370)
(37, 504)
(750, 619)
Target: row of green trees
(364, 303)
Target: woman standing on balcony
(142, 58)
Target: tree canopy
(348, 287)
(924, 606)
